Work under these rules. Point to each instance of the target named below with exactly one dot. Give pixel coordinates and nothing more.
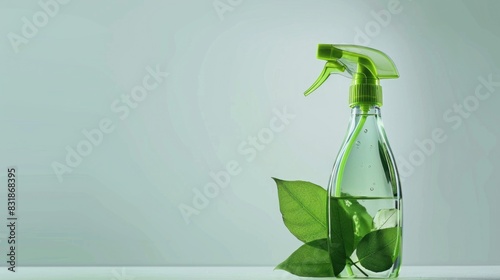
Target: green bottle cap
(365, 65)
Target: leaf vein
(306, 210)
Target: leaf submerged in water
(378, 250)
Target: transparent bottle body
(365, 179)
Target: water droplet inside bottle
(366, 130)
(358, 143)
(369, 166)
(371, 189)
(371, 147)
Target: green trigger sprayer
(364, 192)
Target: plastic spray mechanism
(364, 191)
(366, 66)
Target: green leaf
(303, 207)
(378, 250)
(349, 223)
(362, 221)
(310, 260)
(342, 235)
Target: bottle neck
(365, 110)
(364, 116)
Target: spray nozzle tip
(328, 52)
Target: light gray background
(227, 75)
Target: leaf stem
(353, 263)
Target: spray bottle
(364, 192)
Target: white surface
(254, 273)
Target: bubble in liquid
(358, 143)
(371, 189)
(366, 130)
